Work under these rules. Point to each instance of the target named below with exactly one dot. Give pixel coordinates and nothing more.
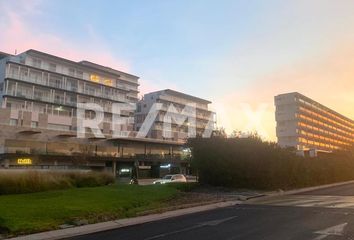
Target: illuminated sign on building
(99, 79)
(24, 161)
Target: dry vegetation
(14, 182)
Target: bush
(252, 163)
(12, 182)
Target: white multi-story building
(39, 94)
(176, 106)
(40, 83)
(307, 125)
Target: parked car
(171, 179)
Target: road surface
(323, 214)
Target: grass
(12, 182)
(34, 212)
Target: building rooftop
(83, 63)
(317, 104)
(182, 95)
(104, 68)
(3, 54)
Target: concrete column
(16, 89)
(4, 103)
(7, 73)
(114, 168)
(7, 87)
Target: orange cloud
(328, 79)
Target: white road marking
(308, 201)
(336, 230)
(211, 223)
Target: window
(36, 62)
(79, 74)
(71, 72)
(34, 124)
(52, 67)
(13, 122)
(55, 80)
(71, 84)
(58, 127)
(22, 60)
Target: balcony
(182, 102)
(57, 83)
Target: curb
(301, 190)
(105, 226)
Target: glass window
(79, 74)
(71, 72)
(36, 62)
(52, 67)
(58, 127)
(34, 124)
(13, 122)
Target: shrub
(12, 182)
(252, 163)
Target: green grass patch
(34, 212)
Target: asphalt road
(324, 214)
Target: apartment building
(176, 107)
(39, 94)
(307, 125)
(43, 83)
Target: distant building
(203, 122)
(309, 126)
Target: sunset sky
(238, 54)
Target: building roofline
(319, 104)
(180, 94)
(103, 68)
(82, 63)
(147, 140)
(4, 54)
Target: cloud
(20, 34)
(327, 78)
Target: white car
(171, 179)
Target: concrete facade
(202, 120)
